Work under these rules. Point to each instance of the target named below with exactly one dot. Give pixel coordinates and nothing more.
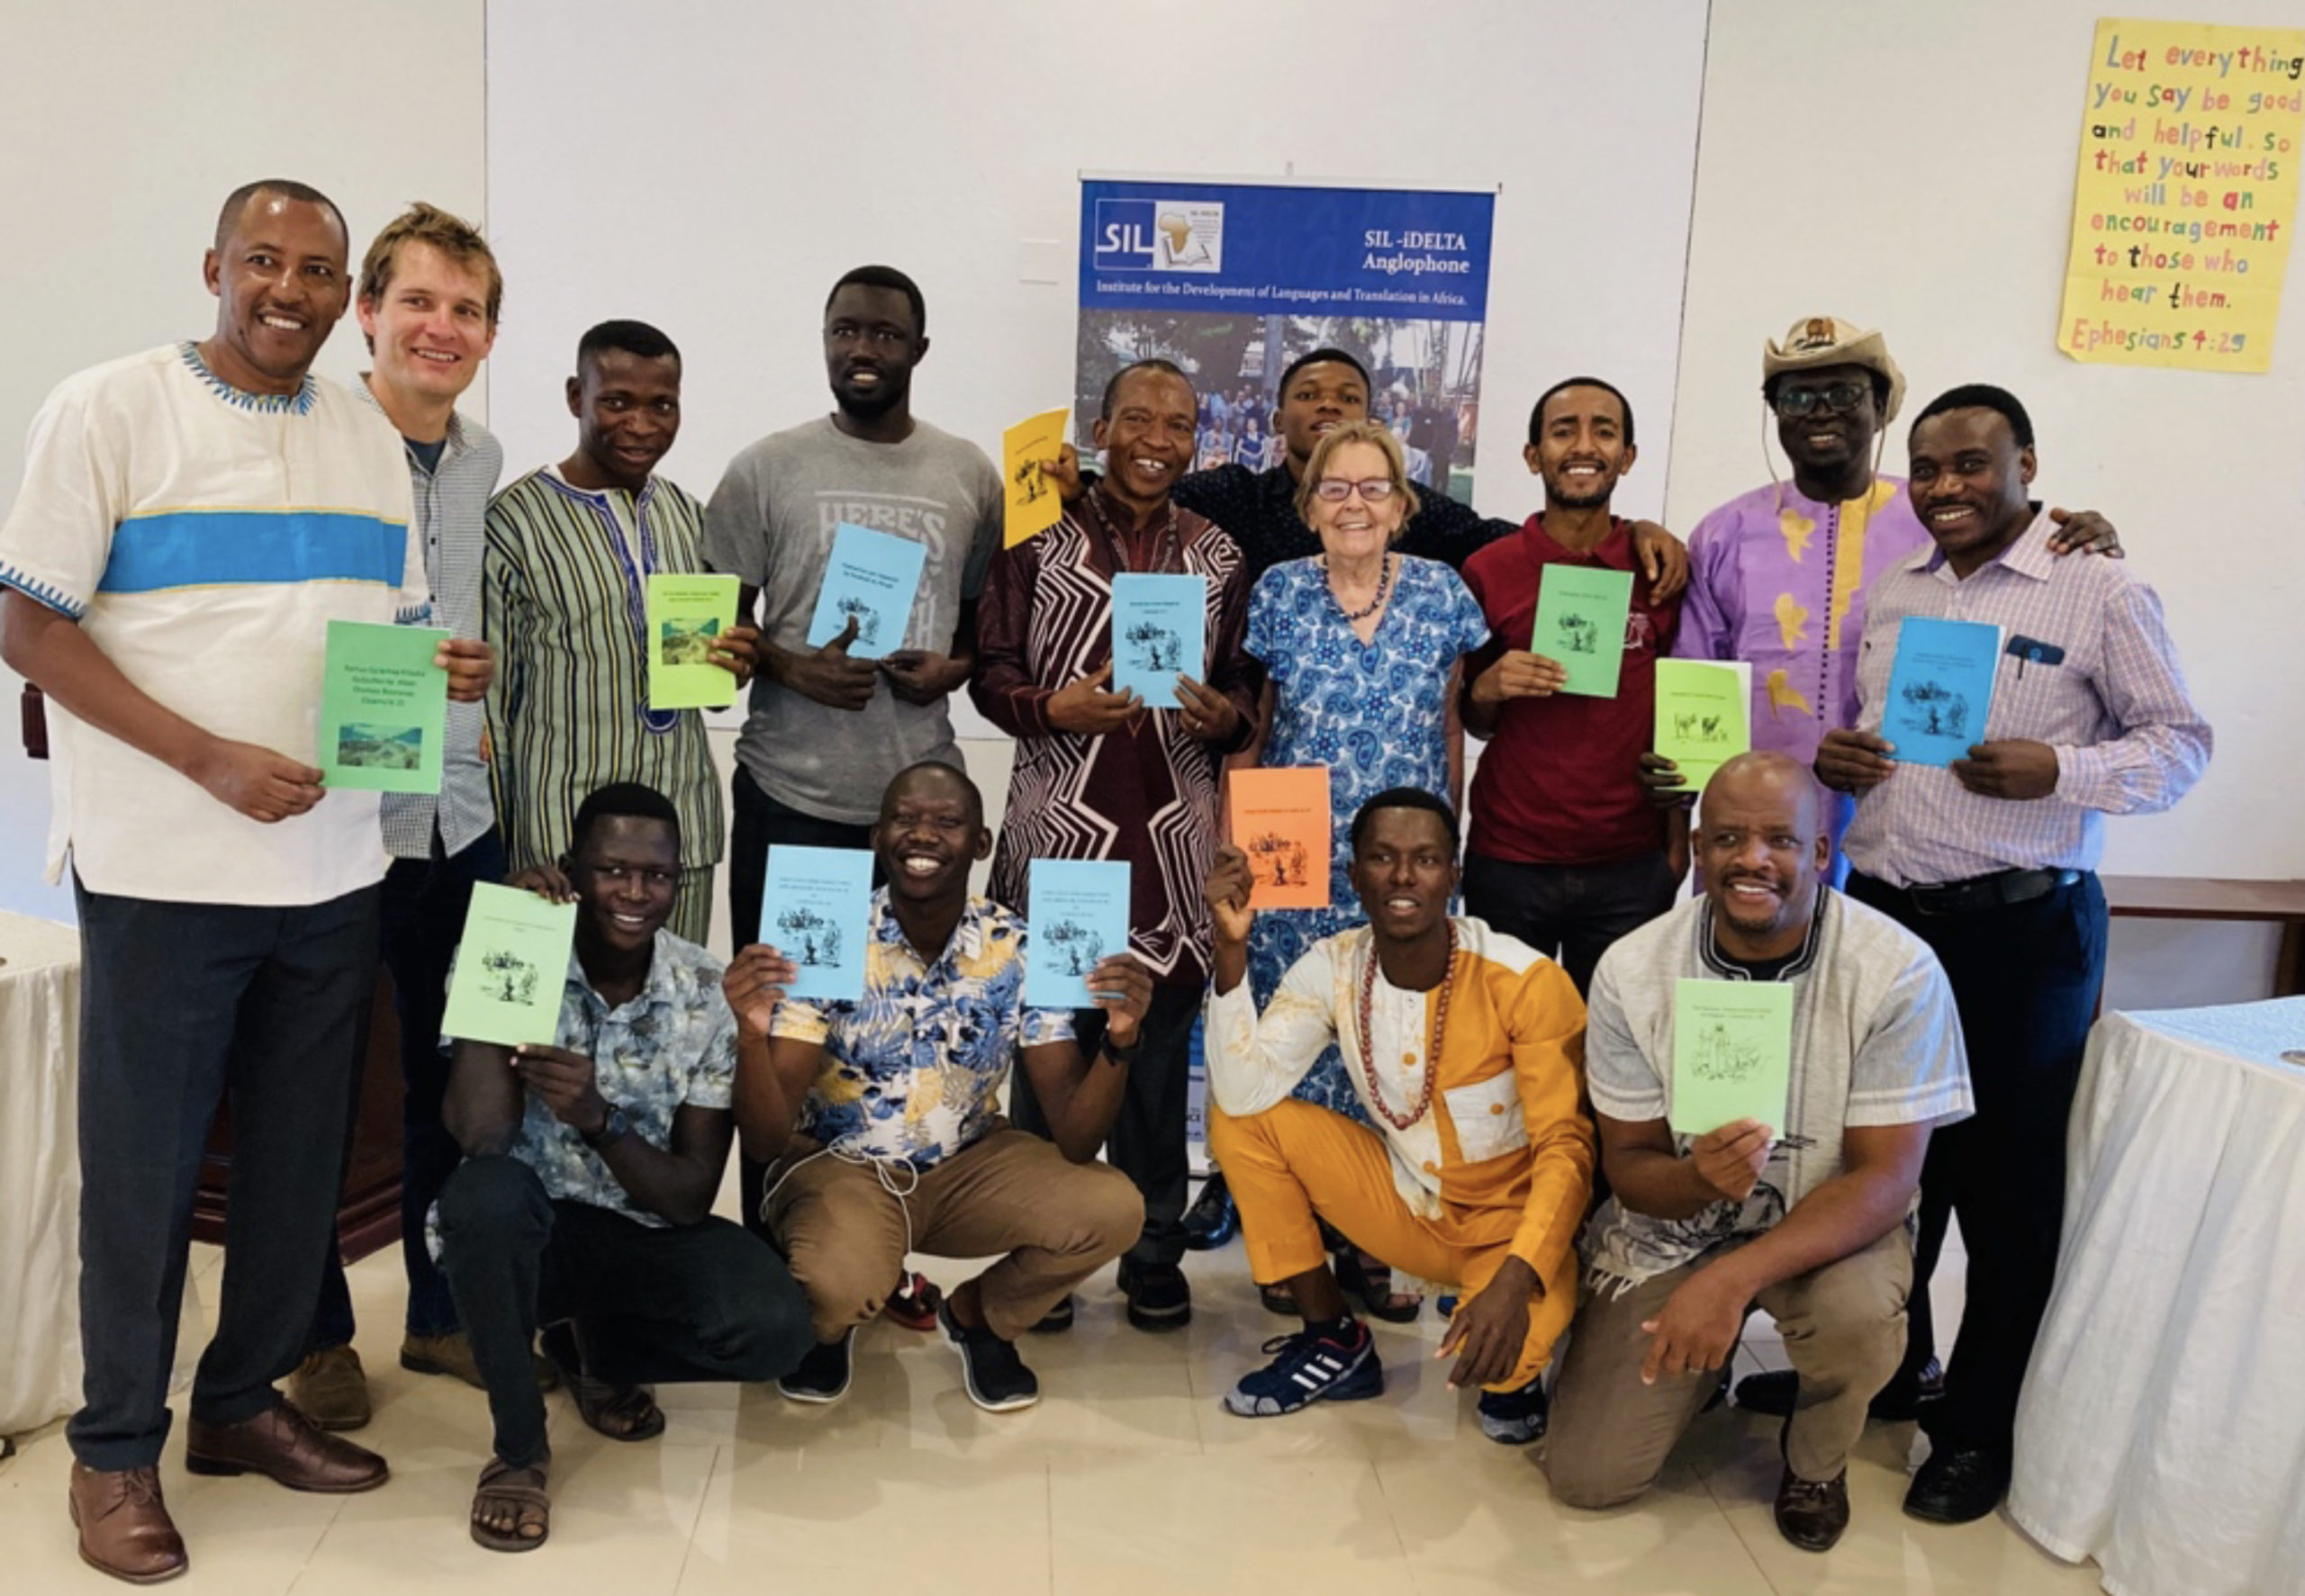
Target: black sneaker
(1515, 1418)
(1158, 1297)
(822, 1375)
(1056, 1321)
(997, 1380)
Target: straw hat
(1816, 341)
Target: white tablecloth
(39, 1172)
(2163, 1427)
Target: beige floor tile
(622, 1517)
(1222, 1524)
(1493, 1526)
(1883, 1550)
(773, 1519)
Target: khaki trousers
(844, 1232)
(1297, 1161)
(1844, 1327)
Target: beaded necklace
(1384, 583)
(1432, 1058)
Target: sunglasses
(1840, 398)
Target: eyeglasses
(1840, 398)
(1335, 489)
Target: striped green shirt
(564, 603)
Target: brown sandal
(504, 1486)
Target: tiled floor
(1127, 1477)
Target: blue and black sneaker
(1515, 1418)
(1311, 1368)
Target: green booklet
(511, 967)
(687, 615)
(1732, 1053)
(383, 708)
(1703, 715)
(1581, 612)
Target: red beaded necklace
(1432, 1058)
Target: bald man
(1805, 1215)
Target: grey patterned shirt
(674, 1044)
(1876, 1040)
(452, 525)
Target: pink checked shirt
(2129, 740)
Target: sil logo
(1158, 236)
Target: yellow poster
(2186, 196)
(1032, 506)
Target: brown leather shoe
(286, 1447)
(125, 1530)
(1813, 1514)
(452, 1355)
(330, 1388)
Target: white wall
(125, 124)
(1911, 168)
(715, 167)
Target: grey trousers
(1844, 1327)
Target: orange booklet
(1280, 820)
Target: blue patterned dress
(1373, 712)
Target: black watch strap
(612, 1130)
(1119, 1054)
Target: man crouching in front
(1464, 1045)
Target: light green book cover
(383, 708)
(1581, 613)
(1732, 1053)
(687, 615)
(1703, 715)
(511, 967)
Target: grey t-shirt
(770, 524)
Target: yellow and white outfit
(1499, 1166)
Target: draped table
(2162, 1429)
(39, 1172)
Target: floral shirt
(913, 1070)
(671, 1045)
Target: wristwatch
(1119, 1054)
(612, 1129)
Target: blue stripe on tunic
(207, 547)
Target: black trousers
(1570, 912)
(651, 1303)
(1147, 1142)
(424, 908)
(182, 1006)
(758, 821)
(2025, 977)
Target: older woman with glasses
(1362, 645)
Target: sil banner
(1233, 281)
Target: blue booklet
(872, 578)
(818, 912)
(1159, 633)
(1941, 688)
(1079, 915)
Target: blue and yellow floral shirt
(913, 1070)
